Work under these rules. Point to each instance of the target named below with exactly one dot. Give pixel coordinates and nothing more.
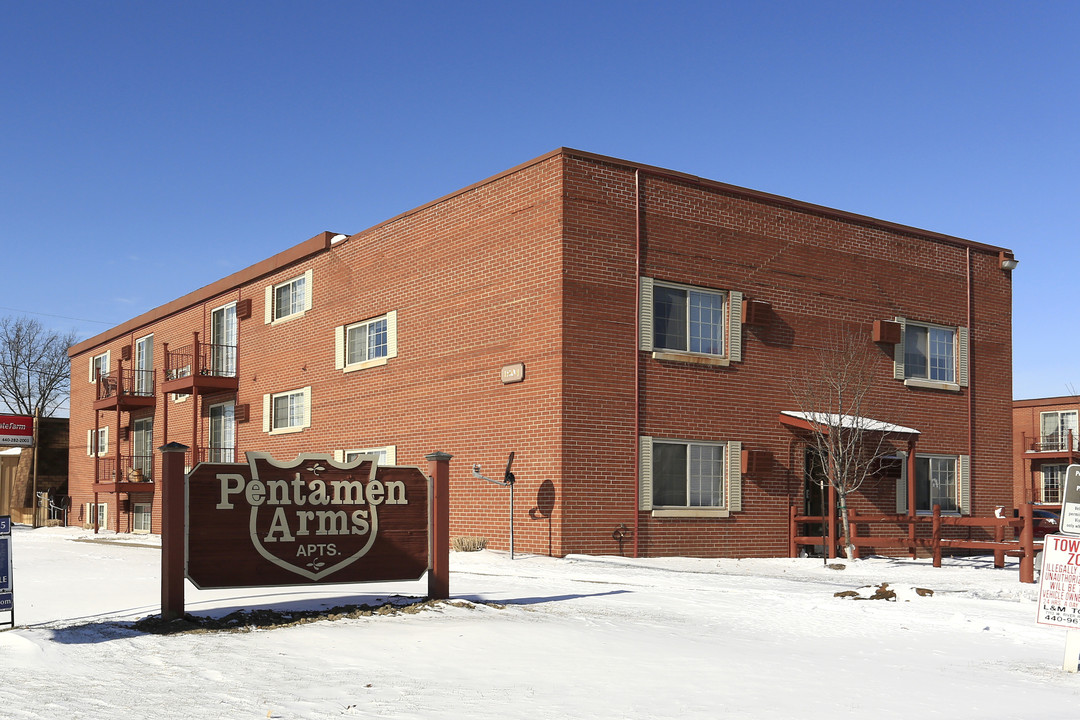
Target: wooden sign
(311, 520)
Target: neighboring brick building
(395, 338)
(1046, 440)
(17, 473)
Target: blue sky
(173, 143)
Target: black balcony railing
(126, 469)
(1064, 441)
(126, 382)
(211, 360)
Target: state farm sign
(311, 520)
(17, 430)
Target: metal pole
(37, 443)
(511, 521)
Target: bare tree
(34, 366)
(832, 396)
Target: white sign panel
(1059, 582)
(1070, 505)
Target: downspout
(637, 363)
(970, 365)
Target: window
(142, 449)
(222, 433)
(98, 513)
(931, 355)
(682, 477)
(98, 440)
(387, 455)
(99, 363)
(144, 365)
(287, 412)
(1053, 479)
(366, 344)
(289, 299)
(140, 517)
(939, 480)
(1057, 426)
(683, 322)
(223, 341)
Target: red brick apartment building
(628, 331)
(1046, 440)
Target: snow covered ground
(580, 637)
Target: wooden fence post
(1027, 544)
(999, 555)
(935, 541)
(439, 574)
(172, 530)
(793, 547)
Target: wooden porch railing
(905, 535)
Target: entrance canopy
(822, 421)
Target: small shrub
(468, 544)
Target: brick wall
(1027, 431)
(538, 265)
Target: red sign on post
(17, 430)
(311, 520)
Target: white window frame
(731, 482)
(223, 345)
(144, 365)
(272, 315)
(731, 324)
(268, 411)
(227, 427)
(960, 349)
(387, 454)
(99, 361)
(1058, 473)
(1066, 420)
(141, 513)
(962, 480)
(343, 362)
(93, 511)
(102, 441)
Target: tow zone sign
(1059, 582)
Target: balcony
(200, 368)
(125, 390)
(1052, 445)
(125, 474)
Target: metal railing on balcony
(217, 454)
(211, 360)
(126, 381)
(1063, 441)
(126, 469)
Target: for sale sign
(311, 520)
(17, 430)
(1059, 582)
(7, 601)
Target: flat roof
(323, 240)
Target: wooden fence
(1010, 536)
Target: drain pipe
(637, 363)
(971, 375)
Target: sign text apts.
(309, 520)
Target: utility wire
(62, 317)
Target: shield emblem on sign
(315, 519)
